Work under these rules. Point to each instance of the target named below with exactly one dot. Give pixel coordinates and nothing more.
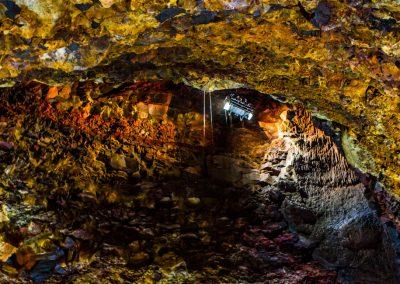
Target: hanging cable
(204, 118)
(204, 136)
(211, 119)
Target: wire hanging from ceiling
(204, 117)
(211, 119)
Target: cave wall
(104, 183)
(327, 203)
(132, 130)
(340, 58)
(85, 163)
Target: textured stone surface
(340, 58)
(111, 183)
(326, 202)
(96, 188)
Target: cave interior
(121, 161)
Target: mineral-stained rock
(138, 259)
(118, 162)
(6, 251)
(340, 58)
(5, 145)
(109, 182)
(194, 200)
(108, 3)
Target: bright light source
(239, 107)
(227, 106)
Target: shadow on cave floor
(185, 230)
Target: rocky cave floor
(82, 201)
(168, 232)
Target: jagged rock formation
(105, 185)
(326, 203)
(340, 58)
(118, 184)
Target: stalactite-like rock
(326, 202)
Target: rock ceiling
(339, 58)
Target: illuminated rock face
(340, 58)
(326, 202)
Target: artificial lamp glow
(227, 106)
(239, 107)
